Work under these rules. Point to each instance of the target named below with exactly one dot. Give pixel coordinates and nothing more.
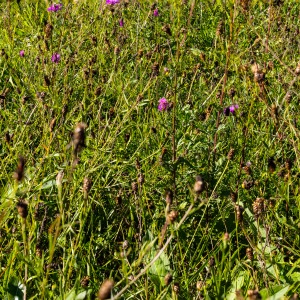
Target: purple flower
(112, 2)
(230, 109)
(55, 7)
(55, 58)
(121, 22)
(163, 104)
(155, 12)
(22, 53)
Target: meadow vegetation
(149, 149)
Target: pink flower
(55, 7)
(155, 12)
(55, 58)
(163, 104)
(112, 2)
(22, 53)
(121, 22)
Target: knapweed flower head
(230, 109)
(121, 22)
(55, 7)
(112, 2)
(22, 53)
(163, 104)
(155, 12)
(55, 58)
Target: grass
(98, 184)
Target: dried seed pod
(87, 184)
(249, 253)
(155, 69)
(19, 173)
(288, 164)
(271, 165)
(169, 197)
(168, 279)
(220, 28)
(134, 187)
(141, 178)
(79, 137)
(259, 207)
(176, 288)
(137, 164)
(230, 154)
(172, 216)
(22, 207)
(253, 295)
(47, 81)
(84, 282)
(105, 289)
(239, 213)
(48, 30)
(233, 196)
(98, 91)
(199, 185)
(167, 29)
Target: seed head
(168, 279)
(22, 207)
(85, 281)
(253, 295)
(249, 253)
(230, 154)
(169, 197)
(134, 187)
(172, 216)
(19, 173)
(141, 178)
(199, 185)
(87, 184)
(105, 289)
(259, 207)
(239, 213)
(176, 288)
(79, 137)
(48, 30)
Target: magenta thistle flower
(112, 2)
(155, 12)
(55, 58)
(121, 22)
(230, 109)
(163, 104)
(55, 7)
(22, 53)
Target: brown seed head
(105, 289)
(79, 137)
(253, 295)
(230, 154)
(169, 197)
(176, 288)
(87, 184)
(141, 178)
(22, 207)
(259, 207)
(134, 187)
(199, 185)
(85, 281)
(249, 253)
(19, 173)
(172, 216)
(239, 213)
(168, 279)
(48, 30)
